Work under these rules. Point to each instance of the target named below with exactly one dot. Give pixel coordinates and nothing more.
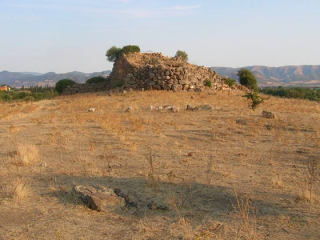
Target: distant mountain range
(19, 79)
(306, 75)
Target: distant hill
(17, 79)
(306, 75)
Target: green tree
(63, 84)
(97, 79)
(230, 82)
(247, 79)
(182, 54)
(114, 53)
(255, 99)
(130, 49)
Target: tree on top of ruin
(182, 54)
(114, 52)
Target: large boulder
(99, 198)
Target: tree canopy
(97, 79)
(63, 84)
(247, 79)
(114, 52)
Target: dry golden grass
(188, 161)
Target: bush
(29, 99)
(114, 53)
(296, 92)
(154, 61)
(98, 79)
(63, 84)
(207, 83)
(183, 55)
(247, 79)
(130, 49)
(255, 99)
(230, 82)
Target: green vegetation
(182, 54)
(154, 61)
(97, 79)
(114, 52)
(255, 99)
(296, 92)
(230, 82)
(247, 79)
(63, 84)
(29, 94)
(207, 83)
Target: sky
(74, 35)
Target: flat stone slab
(99, 198)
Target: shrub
(98, 79)
(130, 49)
(207, 83)
(247, 79)
(29, 99)
(296, 92)
(114, 53)
(230, 82)
(255, 99)
(154, 61)
(7, 97)
(183, 55)
(63, 84)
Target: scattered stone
(175, 109)
(91, 110)
(267, 114)
(268, 127)
(129, 109)
(126, 198)
(154, 206)
(241, 121)
(98, 198)
(150, 107)
(199, 108)
(159, 108)
(124, 92)
(193, 97)
(191, 154)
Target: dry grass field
(226, 173)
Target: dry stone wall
(162, 73)
(86, 88)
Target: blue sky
(69, 35)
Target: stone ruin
(86, 88)
(154, 71)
